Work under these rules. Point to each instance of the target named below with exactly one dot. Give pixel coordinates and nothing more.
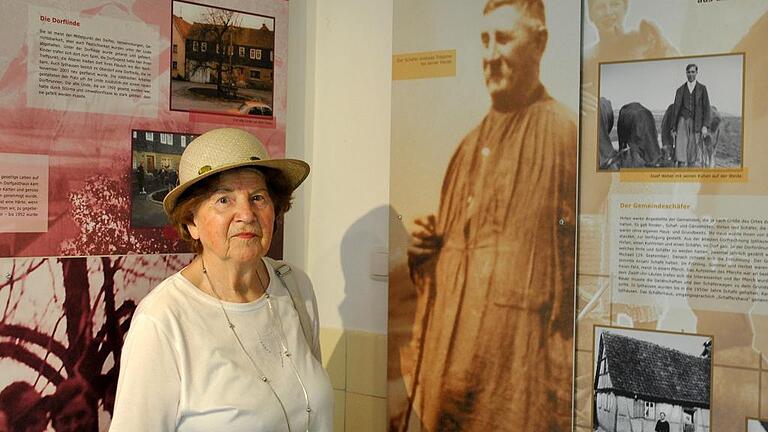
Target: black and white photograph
(757, 425)
(683, 112)
(651, 381)
(155, 171)
(222, 61)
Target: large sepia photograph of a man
(494, 266)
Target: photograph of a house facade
(651, 381)
(222, 60)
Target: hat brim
(295, 172)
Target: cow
(706, 148)
(637, 137)
(608, 155)
(667, 140)
(711, 139)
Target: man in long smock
(498, 260)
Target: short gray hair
(534, 8)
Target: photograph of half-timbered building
(647, 381)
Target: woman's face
(608, 15)
(236, 221)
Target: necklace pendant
(231, 326)
(263, 378)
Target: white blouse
(183, 370)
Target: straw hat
(224, 149)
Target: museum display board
(98, 99)
(671, 294)
(668, 302)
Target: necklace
(273, 317)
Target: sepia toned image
(222, 61)
(636, 30)
(635, 33)
(481, 336)
(651, 381)
(678, 113)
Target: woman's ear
(193, 232)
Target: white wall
(339, 85)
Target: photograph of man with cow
(699, 127)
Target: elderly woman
(231, 341)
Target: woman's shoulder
(287, 271)
(298, 290)
(164, 299)
(294, 278)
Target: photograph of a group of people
(651, 381)
(682, 112)
(155, 159)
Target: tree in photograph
(80, 312)
(101, 211)
(218, 29)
